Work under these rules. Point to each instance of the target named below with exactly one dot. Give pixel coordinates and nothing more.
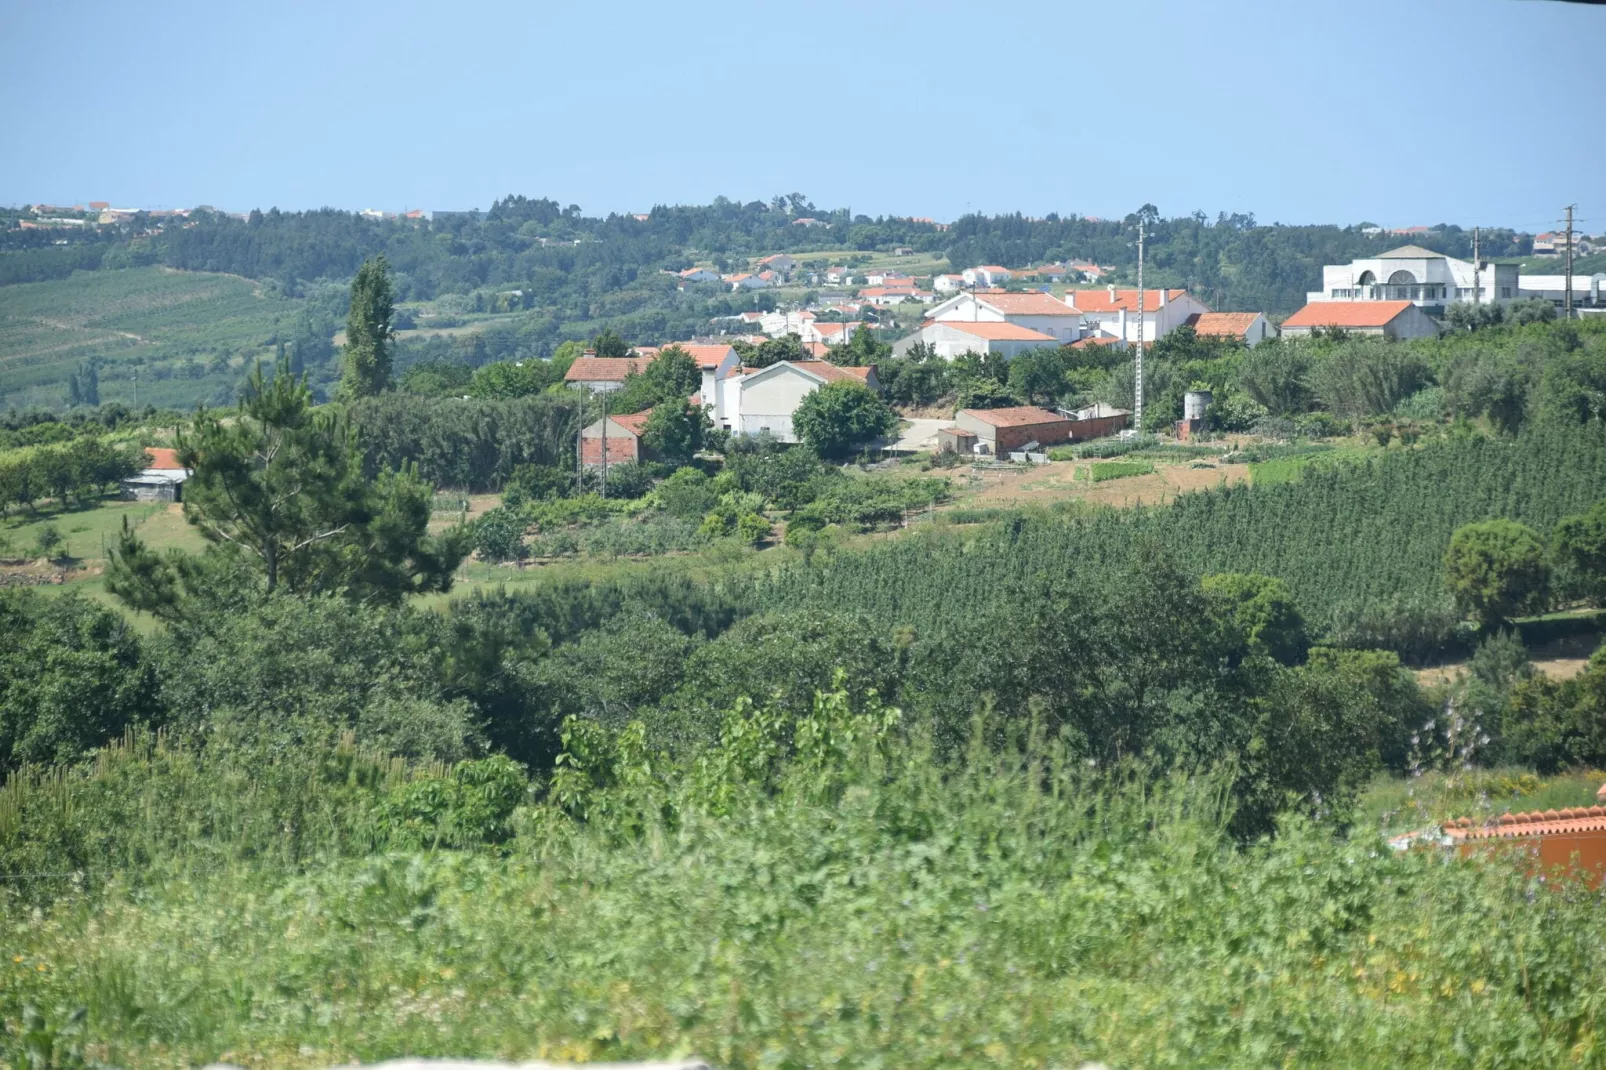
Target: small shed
(1005, 430)
(956, 440)
(155, 485)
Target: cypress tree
(368, 332)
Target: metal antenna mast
(1567, 294)
(1137, 381)
(1477, 283)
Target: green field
(187, 334)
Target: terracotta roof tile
(996, 332)
(604, 369)
(1347, 314)
(1029, 304)
(1531, 824)
(162, 457)
(709, 356)
(1018, 416)
(1100, 300)
(1221, 324)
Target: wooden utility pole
(1567, 293)
(1137, 378)
(1477, 274)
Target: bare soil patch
(1057, 481)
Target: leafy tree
(839, 417)
(72, 677)
(674, 432)
(512, 379)
(1276, 375)
(672, 377)
(1039, 376)
(609, 344)
(1258, 613)
(279, 488)
(1496, 569)
(984, 393)
(50, 542)
(775, 350)
(368, 332)
(1578, 546)
(688, 494)
(1367, 377)
(499, 535)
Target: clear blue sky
(1418, 112)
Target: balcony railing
(1392, 292)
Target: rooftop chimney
(1112, 293)
(1165, 297)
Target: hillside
(187, 335)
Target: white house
(830, 334)
(944, 284)
(698, 274)
(763, 401)
(892, 295)
(1038, 311)
(986, 275)
(1114, 313)
(779, 262)
(744, 281)
(1429, 280)
(776, 324)
(1250, 328)
(838, 276)
(955, 338)
(717, 363)
(1383, 319)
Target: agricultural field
(188, 335)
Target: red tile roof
(1100, 301)
(1029, 304)
(1347, 314)
(604, 369)
(1018, 416)
(1530, 824)
(1095, 340)
(834, 373)
(708, 357)
(162, 457)
(634, 422)
(995, 332)
(1221, 324)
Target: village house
(1384, 319)
(614, 440)
(987, 275)
(779, 324)
(698, 274)
(1038, 311)
(779, 262)
(602, 375)
(745, 281)
(763, 401)
(1114, 312)
(838, 276)
(161, 480)
(955, 338)
(1250, 328)
(1429, 280)
(828, 334)
(715, 363)
(947, 283)
(892, 295)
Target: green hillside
(186, 334)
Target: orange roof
(1095, 340)
(995, 332)
(1222, 324)
(1030, 304)
(1530, 824)
(707, 357)
(162, 457)
(1017, 416)
(1347, 314)
(635, 421)
(993, 268)
(1100, 301)
(604, 369)
(833, 373)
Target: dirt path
(1057, 481)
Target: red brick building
(623, 441)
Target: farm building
(162, 481)
(999, 431)
(620, 444)
(1250, 328)
(1385, 319)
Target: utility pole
(1137, 379)
(604, 399)
(1567, 294)
(1477, 284)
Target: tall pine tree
(368, 332)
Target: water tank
(1194, 403)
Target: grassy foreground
(857, 905)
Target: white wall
(769, 398)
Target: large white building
(1589, 291)
(1430, 281)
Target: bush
(1107, 470)
(752, 529)
(50, 542)
(840, 417)
(499, 535)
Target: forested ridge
(568, 261)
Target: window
(1505, 291)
